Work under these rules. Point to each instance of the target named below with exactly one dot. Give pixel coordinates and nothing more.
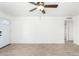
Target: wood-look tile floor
(40, 50)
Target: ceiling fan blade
(33, 3)
(51, 6)
(43, 11)
(33, 9)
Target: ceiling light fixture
(40, 8)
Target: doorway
(68, 30)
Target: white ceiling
(22, 9)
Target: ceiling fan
(41, 6)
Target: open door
(68, 30)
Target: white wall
(76, 30)
(4, 15)
(33, 29)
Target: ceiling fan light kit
(41, 6)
